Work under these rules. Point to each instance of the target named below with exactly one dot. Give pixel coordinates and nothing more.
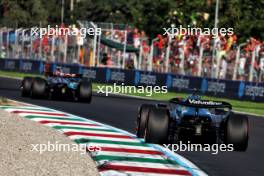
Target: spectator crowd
(193, 55)
(186, 51)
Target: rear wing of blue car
(51, 74)
(201, 103)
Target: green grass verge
(3, 100)
(15, 74)
(238, 105)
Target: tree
(245, 16)
(23, 13)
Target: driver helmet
(58, 71)
(194, 97)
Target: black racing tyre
(26, 86)
(142, 119)
(236, 131)
(210, 138)
(157, 128)
(85, 91)
(38, 89)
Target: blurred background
(132, 35)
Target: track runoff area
(115, 151)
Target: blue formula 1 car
(58, 85)
(192, 119)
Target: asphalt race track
(121, 112)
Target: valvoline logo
(108, 75)
(204, 85)
(137, 77)
(199, 102)
(241, 89)
(169, 81)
